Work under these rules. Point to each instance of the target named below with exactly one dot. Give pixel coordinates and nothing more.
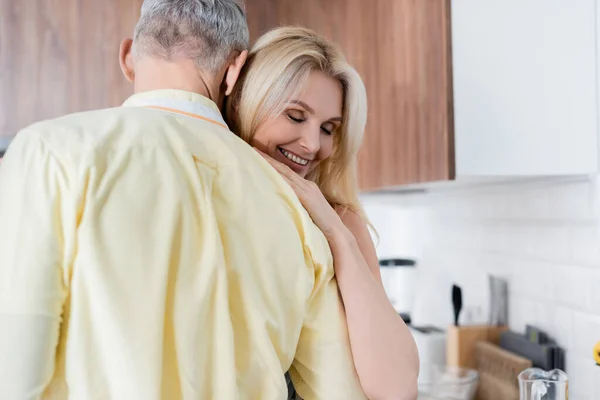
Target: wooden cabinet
(61, 56)
(525, 87)
(401, 49)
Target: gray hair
(206, 31)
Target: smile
(293, 157)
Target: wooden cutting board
(498, 371)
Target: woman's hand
(321, 212)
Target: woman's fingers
(280, 167)
(297, 183)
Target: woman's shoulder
(351, 218)
(357, 224)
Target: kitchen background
(481, 153)
(542, 235)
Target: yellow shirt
(148, 253)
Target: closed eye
(328, 128)
(296, 116)
(297, 120)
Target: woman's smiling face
(302, 135)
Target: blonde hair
(277, 69)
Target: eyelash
(296, 120)
(299, 121)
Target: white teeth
(294, 158)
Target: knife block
(462, 340)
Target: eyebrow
(311, 111)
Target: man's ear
(126, 59)
(233, 71)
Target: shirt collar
(177, 101)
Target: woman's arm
(384, 351)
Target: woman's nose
(311, 140)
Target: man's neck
(153, 74)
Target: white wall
(542, 236)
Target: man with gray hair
(148, 253)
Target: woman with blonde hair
(301, 105)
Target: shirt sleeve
(33, 286)
(323, 367)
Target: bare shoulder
(354, 222)
(358, 226)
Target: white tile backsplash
(543, 236)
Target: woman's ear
(126, 59)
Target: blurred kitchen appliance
(399, 276)
(431, 344)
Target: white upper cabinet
(525, 76)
